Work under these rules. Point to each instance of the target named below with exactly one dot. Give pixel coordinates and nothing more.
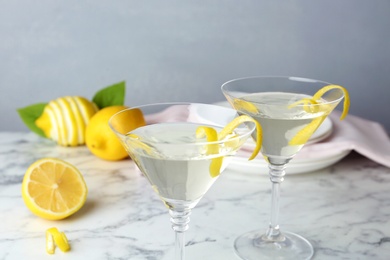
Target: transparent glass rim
(248, 132)
(292, 78)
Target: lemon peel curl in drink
(346, 103)
(312, 105)
(229, 128)
(212, 136)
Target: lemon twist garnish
(59, 238)
(307, 105)
(212, 136)
(305, 133)
(243, 105)
(311, 105)
(347, 102)
(229, 128)
(135, 142)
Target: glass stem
(180, 219)
(276, 173)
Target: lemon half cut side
(53, 189)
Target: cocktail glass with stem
(288, 116)
(179, 165)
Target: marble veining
(344, 210)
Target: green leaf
(113, 95)
(30, 114)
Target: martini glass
(282, 106)
(180, 166)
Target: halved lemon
(53, 189)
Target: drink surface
(176, 166)
(280, 121)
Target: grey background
(180, 50)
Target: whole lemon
(64, 119)
(101, 140)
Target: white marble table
(344, 210)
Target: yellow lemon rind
(50, 247)
(213, 148)
(64, 119)
(305, 133)
(135, 142)
(346, 103)
(229, 128)
(59, 238)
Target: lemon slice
(53, 189)
(59, 238)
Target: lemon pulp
(53, 189)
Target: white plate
(296, 165)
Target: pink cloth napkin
(353, 133)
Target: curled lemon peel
(311, 105)
(229, 128)
(59, 238)
(346, 103)
(136, 142)
(211, 136)
(307, 105)
(243, 105)
(305, 133)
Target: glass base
(254, 246)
